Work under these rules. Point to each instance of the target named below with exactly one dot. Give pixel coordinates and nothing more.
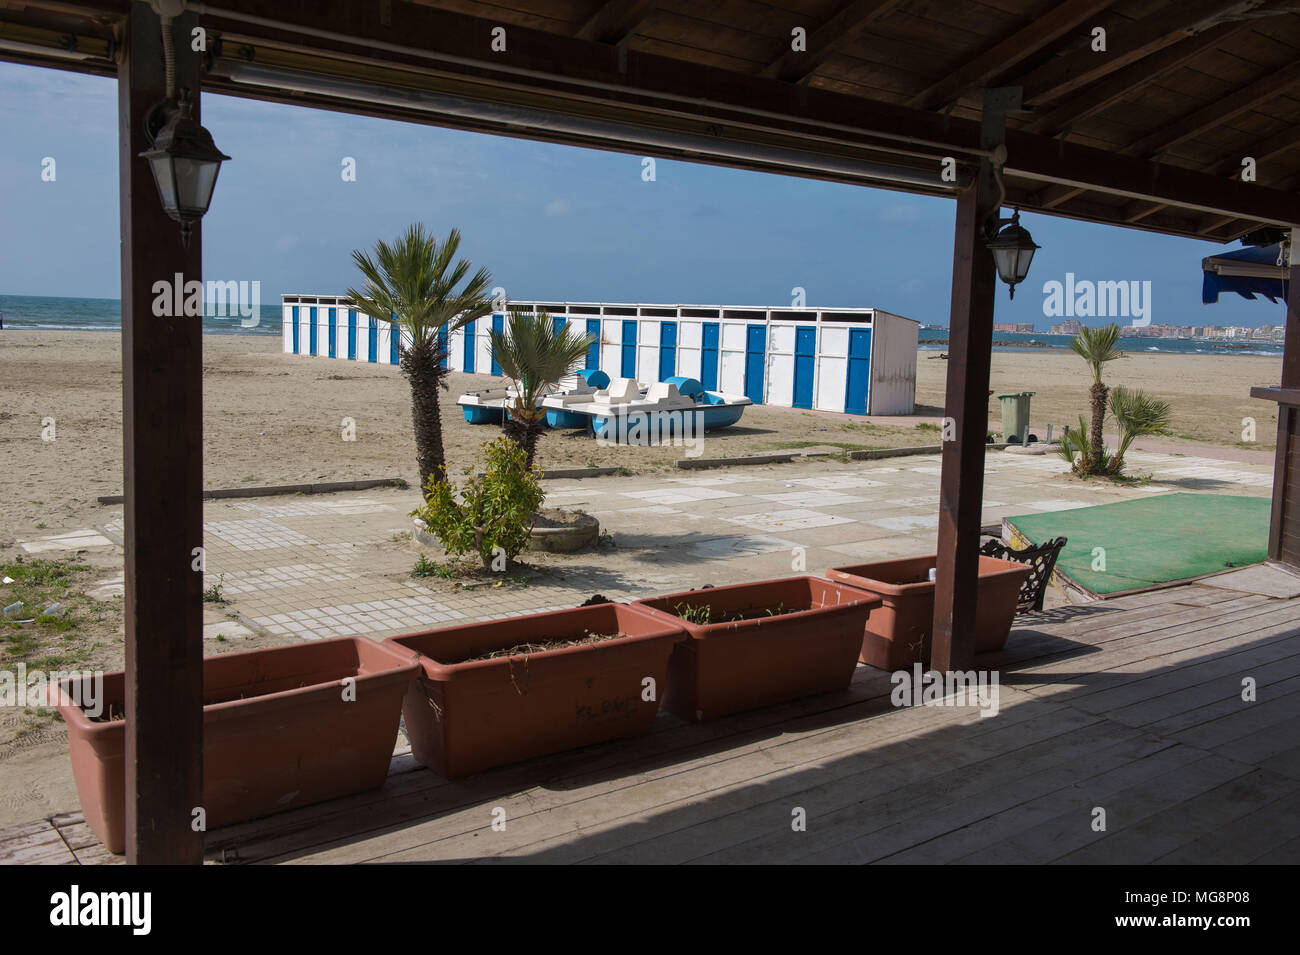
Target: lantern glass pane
(195, 180)
(165, 179)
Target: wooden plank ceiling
(1189, 84)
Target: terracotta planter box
(464, 716)
(898, 633)
(734, 665)
(277, 732)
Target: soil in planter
(113, 713)
(539, 646)
(703, 614)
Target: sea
(105, 315)
(935, 339)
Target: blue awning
(1248, 272)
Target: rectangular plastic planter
(897, 634)
(277, 732)
(467, 716)
(740, 665)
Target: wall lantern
(183, 158)
(1013, 249)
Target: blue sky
(551, 222)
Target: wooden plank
(1184, 820)
(1124, 47)
(857, 775)
(1125, 83)
(162, 424)
(830, 36)
(1245, 839)
(616, 20)
(1071, 832)
(1019, 46)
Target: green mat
(1154, 540)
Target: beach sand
(272, 418)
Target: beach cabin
(851, 360)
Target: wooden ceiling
(1183, 85)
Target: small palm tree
(1137, 414)
(412, 285)
(1097, 346)
(534, 355)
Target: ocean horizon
(54, 313)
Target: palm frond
(1097, 346)
(1137, 414)
(415, 281)
(534, 354)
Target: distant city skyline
(550, 222)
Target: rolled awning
(1251, 271)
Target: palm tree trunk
(1099, 394)
(420, 365)
(530, 441)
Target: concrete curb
(578, 473)
(691, 464)
(273, 490)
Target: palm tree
(534, 355)
(1137, 414)
(412, 285)
(1097, 346)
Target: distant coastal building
(1070, 327)
(850, 360)
(1015, 328)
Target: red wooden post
(966, 403)
(1283, 490)
(162, 426)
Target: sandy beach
(272, 418)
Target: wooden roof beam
(1218, 112)
(1016, 48)
(843, 26)
(1262, 152)
(1127, 45)
(1130, 80)
(616, 20)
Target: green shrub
(496, 510)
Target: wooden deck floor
(1133, 706)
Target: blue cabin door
(805, 351)
(469, 347)
(295, 329)
(855, 399)
(593, 350)
(352, 334)
(372, 354)
(498, 326)
(311, 331)
(557, 326)
(442, 346)
(628, 368)
(394, 342)
(709, 357)
(667, 350)
(755, 342)
(334, 332)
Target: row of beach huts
(852, 360)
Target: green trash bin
(1015, 416)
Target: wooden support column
(966, 402)
(162, 428)
(1286, 493)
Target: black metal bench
(1042, 560)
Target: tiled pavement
(312, 567)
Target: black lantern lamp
(184, 161)
(1013, 249)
